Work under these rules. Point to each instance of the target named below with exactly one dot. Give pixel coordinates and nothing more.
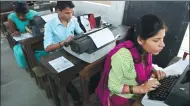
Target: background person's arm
(12, 26)
(53, 47)
(31, 14)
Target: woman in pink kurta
(129, 65)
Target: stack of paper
(22, 36)
(176, 68)
(156, 67)
(60, 64)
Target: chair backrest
(30, 46)
(6, 6)
(95, 70)
(5, 29)
(7, 34)
(6, 9)
(90, 78)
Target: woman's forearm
(135, 89)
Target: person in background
(58, 32)
(128, 66)
(20, 18)
(17, 21)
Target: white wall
(112, 14)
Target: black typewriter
(164, 89)
(83, 43)
(174, 90)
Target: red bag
(92, 21)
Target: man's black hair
(61, 5)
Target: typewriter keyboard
(164, 89)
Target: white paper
(85, 22)
(49, 17)
(176, 68)
(156, 67)
(53, 9)
(60, 64)
(148, 102)
(86, 16)
(102, 37)
(22, 36)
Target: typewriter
(36, 26)
(174, 90)
(164, 89)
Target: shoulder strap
(129, 45)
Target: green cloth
(122, 72)
(38, 54)
(20, 57)
(17, 49)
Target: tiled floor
(17, 87)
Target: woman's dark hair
(61, 5)
(147, 26)
(21, 7)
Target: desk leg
(64, 95)
(54, 91)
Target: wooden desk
(4, 15)
(28, 47)
(63, 78)
(7, 33)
